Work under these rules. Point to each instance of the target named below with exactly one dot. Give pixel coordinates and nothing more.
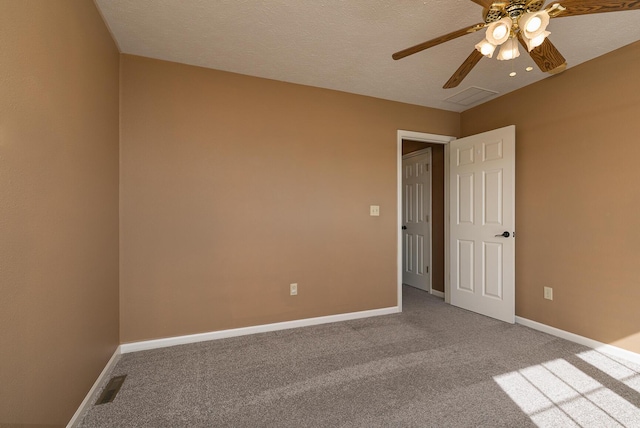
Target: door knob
(404, 227)
(504, 234)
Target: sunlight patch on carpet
(617, 370)
(557, 393)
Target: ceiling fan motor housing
(516, 9)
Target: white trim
(599, 346)
(87, 399)
(447, 227)
(223, 334)
(425, 138)
(430, 217)
(437, 293)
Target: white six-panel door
(482, 209)
(416, 199)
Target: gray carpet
(433, 365)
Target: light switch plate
(374, 210)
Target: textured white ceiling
(347, 44)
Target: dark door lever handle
(504, 234)
(404, 227)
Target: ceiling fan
(525, 21)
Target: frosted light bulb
(509, 50)
(485, 48)
(534, 24)
(500, 31)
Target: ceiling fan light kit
(531, 26)
(509, 22)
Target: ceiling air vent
(470, 96)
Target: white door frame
(425, 138)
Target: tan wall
(577, 203)
(233, 187)
(437, 207)
(58, 207)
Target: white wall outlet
(293, 289)
(548, 293)
(374, 210)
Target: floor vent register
(111, 390)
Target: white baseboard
(86, 402)
(437, 293)
(599, 346)
(223, 334)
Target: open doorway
(490, 155)
(408, 142)
(423, 216)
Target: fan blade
(463, 70)
(546, 56)
(585, 7)
(484, 3)
(438, 40)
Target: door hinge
(427, 269)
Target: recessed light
(529, 68)
(512, 74)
